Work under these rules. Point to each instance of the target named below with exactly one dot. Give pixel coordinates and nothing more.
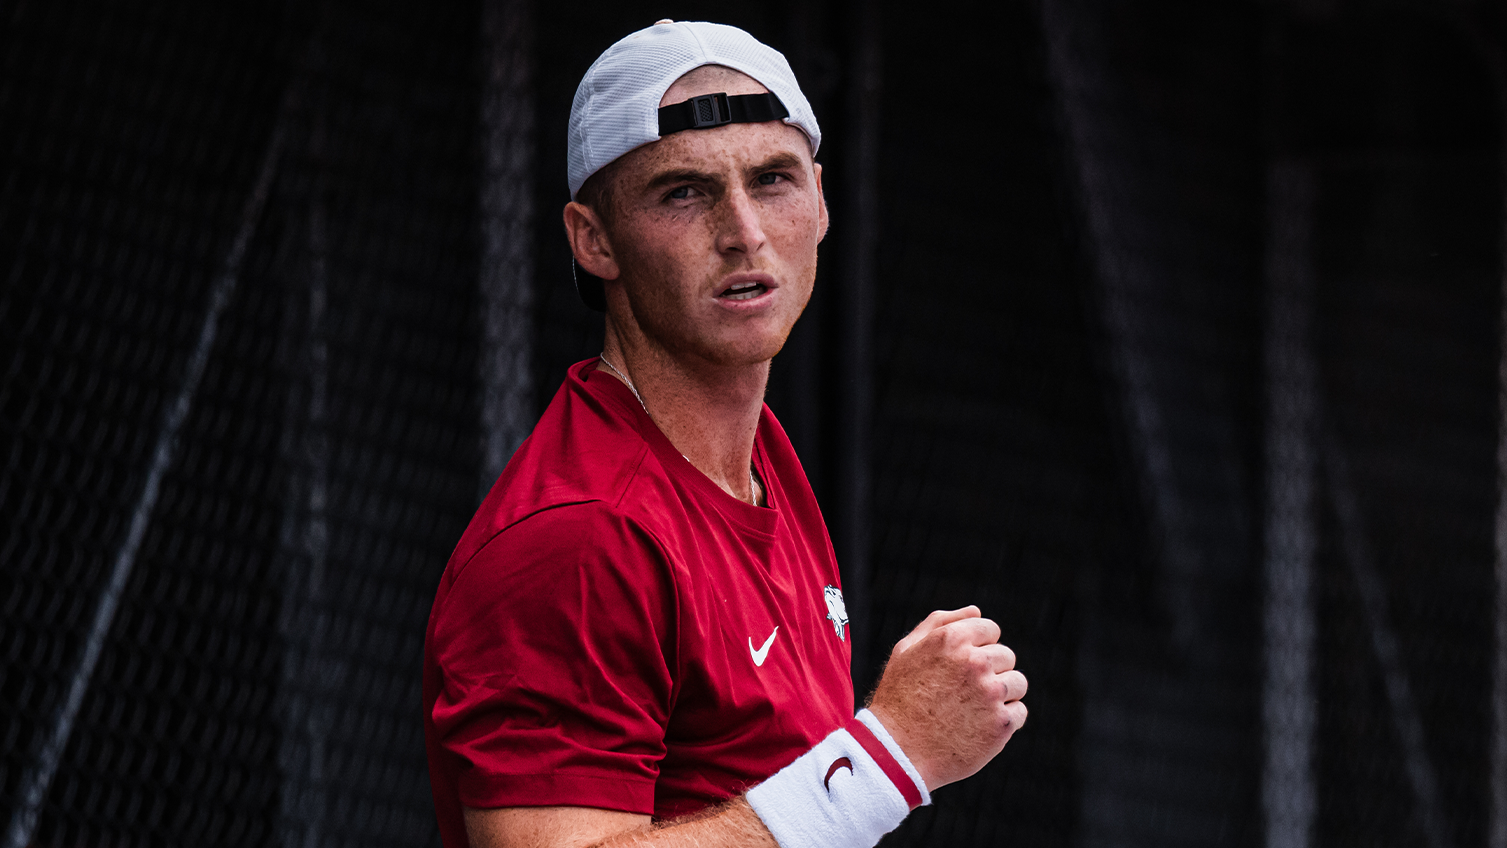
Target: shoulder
(595, 537)
(784, 466)
(566, 567)
(771, 437)
(586, 448)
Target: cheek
(649, 251)
(801, 223)
(656, 280)
(799, 239)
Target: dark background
(1129, 313)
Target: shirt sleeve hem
(556, 789)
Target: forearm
(846, 792)
(730, 825)
(733, 824)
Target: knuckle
(959, 643)
(1003, 713)
(949, 636)
(928, 641)
(978, 663)
(1003, 661)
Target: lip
(758, 300)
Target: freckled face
(715, 233)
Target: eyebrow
(678, 175)
(779, 161)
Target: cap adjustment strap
(715, 110)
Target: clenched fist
(950, 695)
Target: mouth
(746, 288)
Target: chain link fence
(1186, 372)
(240, 415)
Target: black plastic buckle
(714, 110)
(710, 110)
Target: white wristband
(852, 788)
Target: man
(640, 638)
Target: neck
(708, 411)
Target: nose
(739, 227)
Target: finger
(939, 618)
(1014, 685)
(974, 631)
(1015, 715)
(1001, 658)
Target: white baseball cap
(616, 107)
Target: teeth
(743, 291)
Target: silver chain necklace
(753, 482)
(625, 379)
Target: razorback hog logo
(837, 611)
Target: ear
(822, 199)
(589, 242)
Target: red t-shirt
(615, 631)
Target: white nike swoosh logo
(761, 653)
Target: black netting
(1186, 334)
(291, 200)
(1410, 307)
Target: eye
(770, 178)
(680, 193)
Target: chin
(755, 351)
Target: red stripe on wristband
(887, 763)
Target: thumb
(939, 618)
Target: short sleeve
(555, 645)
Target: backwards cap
(616, 107)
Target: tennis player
(641, 638)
